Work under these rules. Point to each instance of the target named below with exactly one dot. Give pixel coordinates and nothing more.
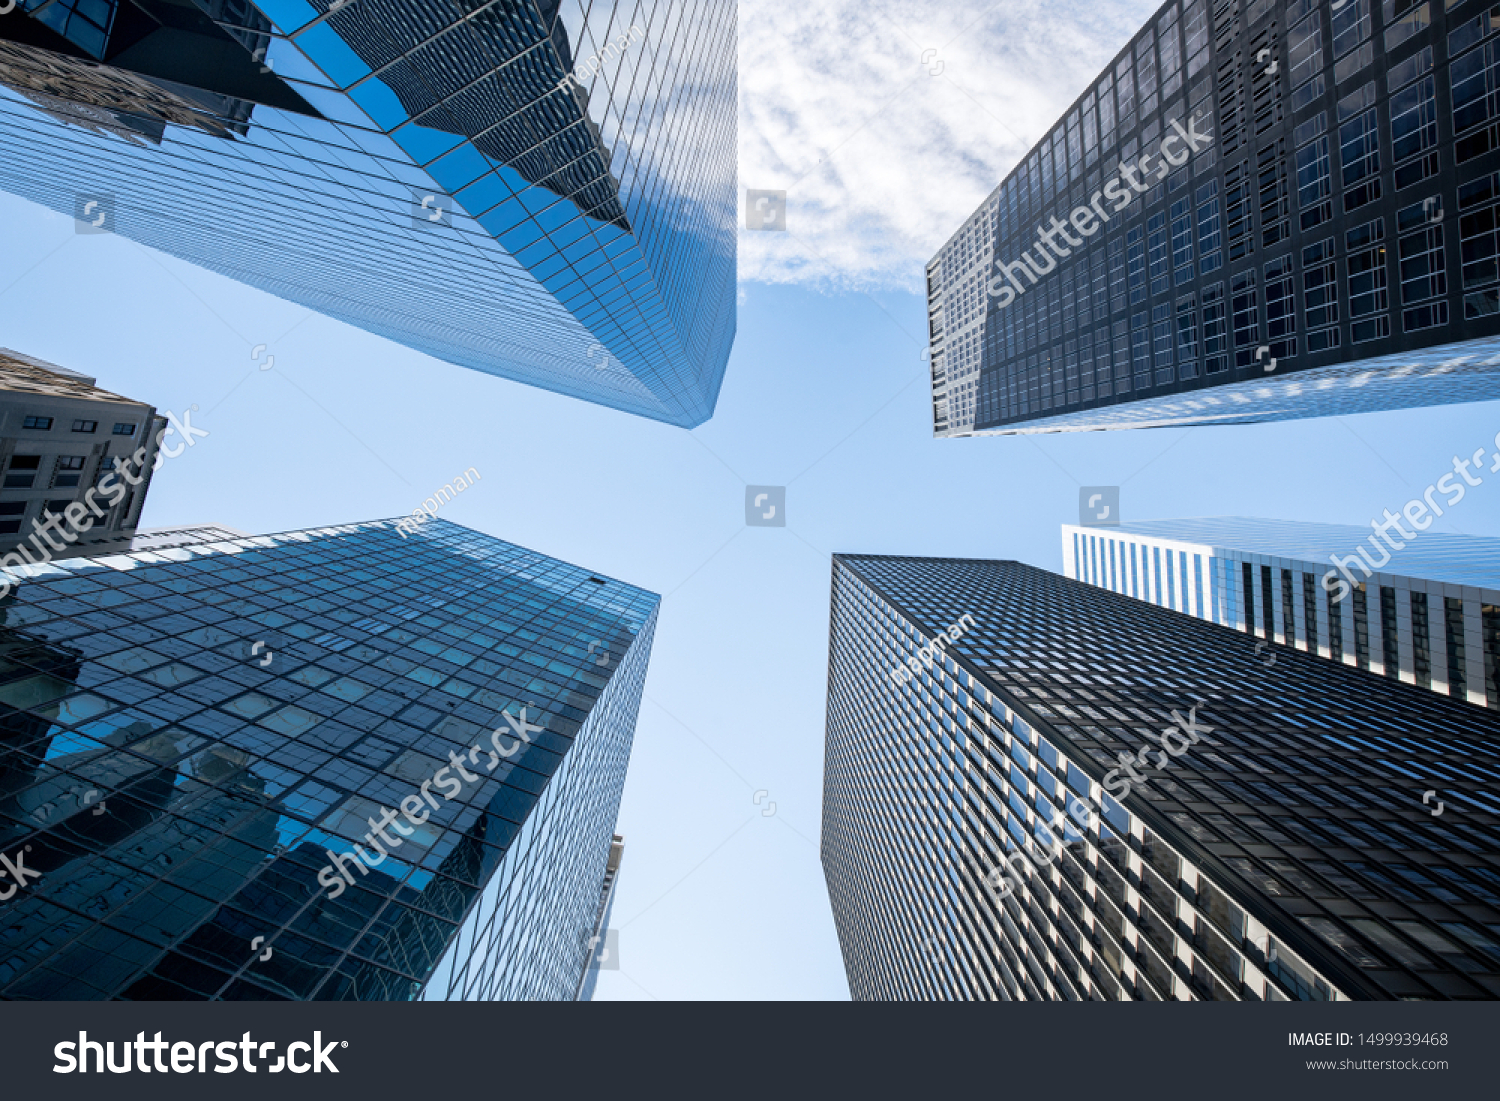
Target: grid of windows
(1283, 856)
(587, 210)
(193, 733)
(1421, 631)
(1335, 136)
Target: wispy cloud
(882, 154)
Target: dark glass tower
(329, 764)
(539, 189)
(1325, 243)
(1302, 831)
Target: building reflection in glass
(179, 798)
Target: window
(1246, 307)
(1479, 238)
(1281, 308)
(1187, 335)
(1473, 77)
(1305, 49)
(1359, 152)
(1106, 112)
(1490, 626)
(1156, 249)
(1458, 678)
(1182, 241)
(1238, 213)
(85, 426)
(1476, 81)
(1162, 332)
(1335, 628)
(41, 424)
(1320, 300)
(57, 506)
(1171, 54)
(1361, 609)
(22, 471)
(1215, 338)
(1267, 601)
(1145, 61)
(1122, 356)
(1099, 295)
(1421, 641)
(1368, 301)
(1125, 89)
(1101, 367)
(1414, 120)
(1210, 238)
(1274, 207)
(67, 471)
(1136, 246)
(1351, 26)
(1247, 578)
(124, 430)
(1390, 639)
(1423, 278)
(1310, 612)
(1140, 350)
(1412, 23)
(1117, 274)
(1313, 183)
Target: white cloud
(881, 161)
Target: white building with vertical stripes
(1427, 614)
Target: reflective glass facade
(1426, 605)
(1284, 854)
(1326, 245)
(267, 768)
(537, 189)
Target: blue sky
(826, 394)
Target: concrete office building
(60, 436)
(1427, 613)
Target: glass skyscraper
(1261, 210)
(539, 189)
(1036, 789)
(344, 763)
(1427, 612)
